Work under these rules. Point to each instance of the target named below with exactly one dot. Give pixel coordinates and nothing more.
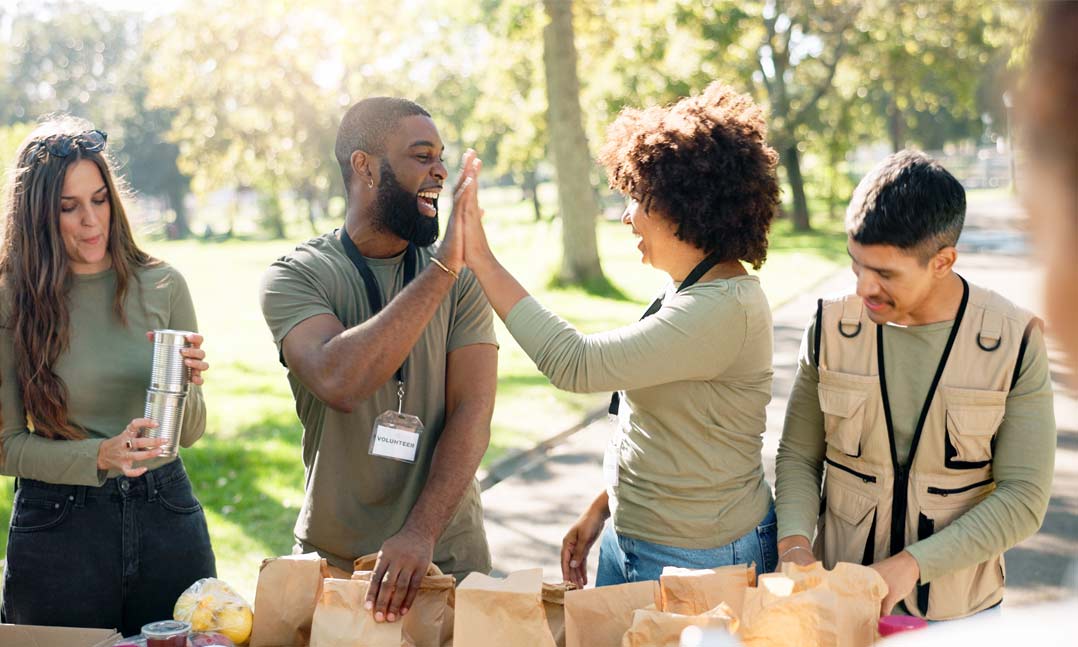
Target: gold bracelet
(442, 265)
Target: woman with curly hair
(105, 531)
(685, 480)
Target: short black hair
(365, 126)
(909, 201)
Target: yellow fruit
(202, 619)
(235, 623)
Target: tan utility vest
(873, 507)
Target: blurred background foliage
(212, 100)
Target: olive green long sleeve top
(697, 380)
(106, 369)
(1022, 463)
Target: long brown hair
(35, 272)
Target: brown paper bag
(554, 606)
(811, 606)
(654, 628)
(429, 622)
(495, 612)
(599, 617)
(860, 591)
(288, 590)
(692, 592)
(341, 620)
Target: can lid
(165, 628)
(166, 333)
(897, 624)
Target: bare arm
(471, 379)
(343, 366)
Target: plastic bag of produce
(212, 605)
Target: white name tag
(399, 444)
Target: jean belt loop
(80, 496)
(151, 486)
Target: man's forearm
(460, 449)
(363, 358)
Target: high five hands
(465, 241)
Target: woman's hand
(578, 542)
(122, 451)
(477, 253)
(796, 549)
(194, 356)
(451, 251)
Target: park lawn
(247, 470)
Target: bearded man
(392, 360)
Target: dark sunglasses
(91, 141)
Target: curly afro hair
(702, 162)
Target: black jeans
(115, 556)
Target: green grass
(247, 470)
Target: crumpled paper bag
(806, 606)
(654, 628)
(341, 620)
(600, 617)
(494, 612)
(554, 606)
(429, 622)
(288, 591)
(692, 592)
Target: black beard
(396, 211)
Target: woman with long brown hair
(105, 531)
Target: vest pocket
(844, 416)
(973, 416)
(848, 520)
(971, 589)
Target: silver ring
(130, 445)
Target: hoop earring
(370, 182)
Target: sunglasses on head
(91, 141)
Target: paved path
(529, 511)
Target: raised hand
(465, 197)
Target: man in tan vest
(924, 405)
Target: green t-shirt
(1022, 462)
(355, 501)
(697, 380)
(106, 369)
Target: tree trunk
(181, 228)
(312, 209)
(896, 127)
(531, 192)
(791, 160)
(572, 160)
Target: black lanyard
(701, 269)
(374, 293)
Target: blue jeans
(115, 556)
(625, 559)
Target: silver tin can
(168, 372)
(166, 409)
